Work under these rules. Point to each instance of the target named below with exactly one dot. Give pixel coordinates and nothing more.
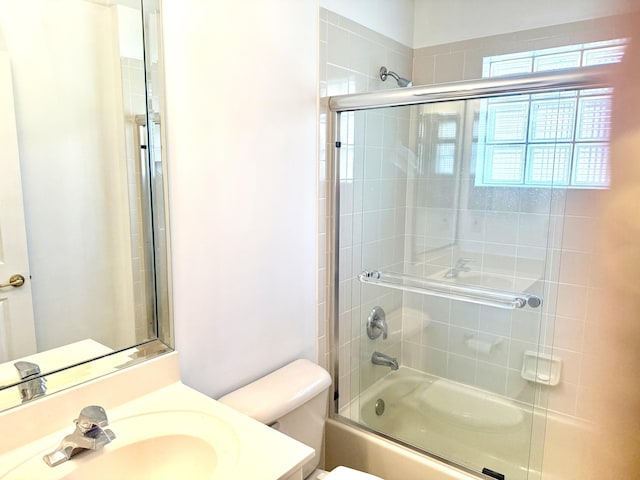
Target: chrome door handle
(16, 280)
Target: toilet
(294, 400)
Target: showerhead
(402, 82)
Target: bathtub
(454, 423)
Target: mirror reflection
(81, 188)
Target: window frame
(528, 62)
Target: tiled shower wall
(372, 218)
(350, 57)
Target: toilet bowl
(294, 400)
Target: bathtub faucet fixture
(385, 360)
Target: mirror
(83, 243)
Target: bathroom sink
(167, 457)
(163, 430)
(148, 446)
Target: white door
(17, 329)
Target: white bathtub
(458, 423)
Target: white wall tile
(575, 267)
(491, 377)
(579, 233)
(572, 301)
(461, 369)
(434, 361)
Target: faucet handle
(463, 261)
(376, 324)
(91, 417)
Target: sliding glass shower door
(449, 215)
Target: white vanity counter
(162, 428)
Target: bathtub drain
(379, 407)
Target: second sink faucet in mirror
(34, 385)
(460, 266)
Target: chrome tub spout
(385, 360)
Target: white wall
(242, 147)
(444, 21)
(393, 19)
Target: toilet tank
(293, 399)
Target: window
(445, 154)
(558, 139)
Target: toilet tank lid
(273, 396)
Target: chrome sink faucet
(460, 266)
(89, 434)
(385, 360)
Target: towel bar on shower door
(465, 293)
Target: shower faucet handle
(376, 324)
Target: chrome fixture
(34, 386)
(89, 434)
(385, 360)
(467, 293)
(460, 266)
(402, 82)
(376, 324)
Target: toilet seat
(344, 473)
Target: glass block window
(591, 164)
(594, 118)
(552, 120)
(507, 162)
(548, 164)
(569, 56)
(552, 138)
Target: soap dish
(541, 368)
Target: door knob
(16, 280)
